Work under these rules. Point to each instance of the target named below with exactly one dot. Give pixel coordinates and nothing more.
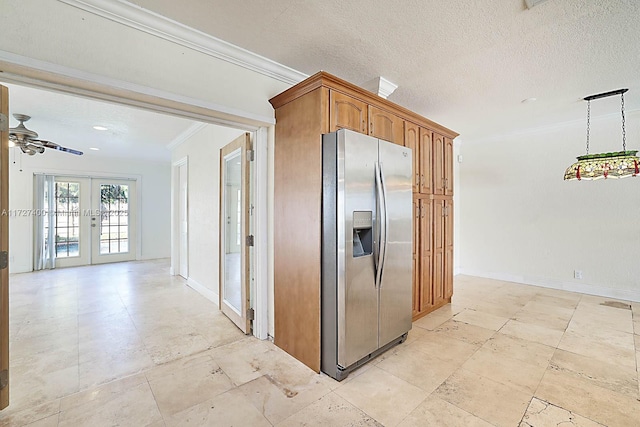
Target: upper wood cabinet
(385, 125)
(426, 166)
(412, 140)
(347, 113)
(442, 165)
(438, 164)
(448, 167)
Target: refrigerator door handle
(385, 222)
(377, 259)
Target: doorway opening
(83, 221)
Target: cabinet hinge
(250, 240)
(4, 260)
(4, 379)
(250, 314)
(250, 155)
(4, 123)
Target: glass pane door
(234, 227)
(71, 223)
(113, 216)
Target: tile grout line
(549, 365)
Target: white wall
(519, 221)
(154, 191)
(203, 153)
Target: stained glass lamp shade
(620, 164)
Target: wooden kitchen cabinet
(426, 256)
(385, 125)
(412, 140)
(442, 251)
(442, 165)
(320, 104)
(347, 113)
(426, 166)
(438, 165)
(448, 166)
(448, 250)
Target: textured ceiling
(68, 120)
(467, 64)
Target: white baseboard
(172, 271)
(602, 291)
(203, 290)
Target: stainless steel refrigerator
(366, 249)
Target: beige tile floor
(128, 345)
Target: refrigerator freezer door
(396, 284)
(357, 294)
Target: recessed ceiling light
(528, 100)
(94, 149)
(100, 128)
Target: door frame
(4, 246)
(174, 270)
(85, 236)
(133, 213)
(91, 175)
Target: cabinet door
(438, 164)
(385, 125)
(426, 253)
(448, 167)
(438, 249)
(346, 113)
(416, 257)
(412, 140)
(426, 167)
(448, 249)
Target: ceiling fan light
(11, 143)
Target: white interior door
(183, 217)
(72, 221)
(113, 220)
(234, 228)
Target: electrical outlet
(577, 274)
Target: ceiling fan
(27, 140)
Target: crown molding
(157, 25)
(186, 134)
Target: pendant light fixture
(619, 164)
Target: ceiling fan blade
(54, 146)
(69, 150)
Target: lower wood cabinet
(433, 274)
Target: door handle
(385, 222)
(378, 259)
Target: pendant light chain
(624, 133)
(588, 124)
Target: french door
(95, 221)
